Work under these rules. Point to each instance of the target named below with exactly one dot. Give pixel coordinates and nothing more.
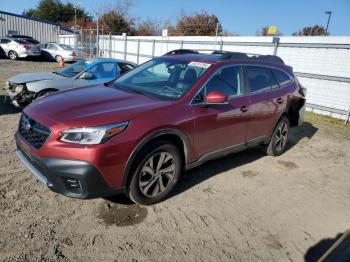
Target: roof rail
(182, 51)
(228, 55)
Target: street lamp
(329, 13)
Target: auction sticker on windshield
(199, 64)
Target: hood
(90, 106)
(31, 77)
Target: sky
(243, 17)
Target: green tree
(57, 12)
(115, 23)
(198, 24)
(316, 30)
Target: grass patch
(332, 126)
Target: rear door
(218, 127)
(267, 102)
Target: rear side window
(260, 79)
(282, 78)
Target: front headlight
(92, 135)
(19, 88)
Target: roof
(218, 56)
(94, 60)
(37, 20)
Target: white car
(15, 48)
(60, 51)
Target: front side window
(260, 79)
(226, 80)
(164, 78)
(282, 78)
(103, 70)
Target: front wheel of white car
(58, 58)
(13, 55)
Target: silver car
(58, 52)
(24, 88)
(15, 48)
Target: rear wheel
(279, 138)
(13, 55)
(156, 173)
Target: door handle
(244, 108)
(279, 100)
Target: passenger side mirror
(86, 75)
(216, 98)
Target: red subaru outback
(138, 134)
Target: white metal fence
(322, 64)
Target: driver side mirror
(86, 75)
(216, 98)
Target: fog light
(72, 184)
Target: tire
(12, 55)
(58, 58)
(279, 138)
(148, 186)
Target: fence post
(182, 44)
(153, 47)
(276, 41)
(347, 117)
(221, 45)
(138, 51)
(110, 46)
(125, 45)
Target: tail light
(73, 54)
(26, 46)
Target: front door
(218, 127)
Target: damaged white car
(24, 88)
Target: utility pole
(329, 13)
(75, 18)
(97, 39)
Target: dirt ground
(244, 207)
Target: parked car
(18, 48)
(24, 88)
(58, 52)
(168, 115)
(24, 37)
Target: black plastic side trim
(146, 140)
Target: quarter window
(260, 79)
(282, 78)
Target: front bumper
(72, 178)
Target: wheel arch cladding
(172, 135)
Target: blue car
(24, 88)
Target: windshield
(164, 78)
(75, 69)
(66, 47)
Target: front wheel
(156, 173)
(279, 138)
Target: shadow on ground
(6, 108)
(215, 167)
(340, 252)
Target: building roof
(37, 20)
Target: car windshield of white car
(75, 69)
(66, 47)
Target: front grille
(33, 132)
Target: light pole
(329, 13)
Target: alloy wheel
(157, 174)
(281, 136)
